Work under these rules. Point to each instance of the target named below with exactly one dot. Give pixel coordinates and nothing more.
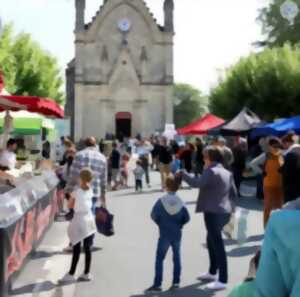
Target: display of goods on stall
(202, 125)
(26, 212)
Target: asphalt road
(123, 266)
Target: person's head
(114, 145)
(90, 142)
(221, 141)
(191, 147)
(68, 143)
(11, 145)
(62, 139)
(275, 145)
(172, 184)
(138, 163)
(198, 141)
(212, 154)
(289, 139)
(85, 178)
(214, 142)
(164, 141)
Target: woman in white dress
(82, 227)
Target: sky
(210, 34)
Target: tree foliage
(189, 104)
(267, 82)
(27, 68)
(278, 30)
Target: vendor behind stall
(8, 158)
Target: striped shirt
(89, 158)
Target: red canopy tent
(201, 126)
(35, 104)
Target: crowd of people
(217, 168)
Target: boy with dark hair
(170, 214)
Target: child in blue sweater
(170, 214)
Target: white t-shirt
(83, 200)
(8, 159)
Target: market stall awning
(245, 121)
(278, 128)
(32, 104)
(35, 104)
(26, 123)
(201, 126)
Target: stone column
(169, 107)
(78, 116)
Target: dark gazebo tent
(245, 121)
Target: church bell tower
(80, 11)
(169, 15)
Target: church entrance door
(123, 125)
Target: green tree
(277, 30)
(268, 83)
(189, 103)
(27, 68)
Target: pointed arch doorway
(123, 124)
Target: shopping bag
(237, 227)
(241, 216)
(104, 222)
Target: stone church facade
(121, 78)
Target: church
(121, 79)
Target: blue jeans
(162, 248)
(215, 223)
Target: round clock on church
(124, 25)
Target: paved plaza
(123, 265)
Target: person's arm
(155, 213)
(257, 163)
(74, 174)
(231, 158)
(186, 216)
(103, 177)
(197, 182)
(233, 195)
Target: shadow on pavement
(250, 203)
(190, 202)
(47, 254)
(189, 291)
(33, 288)
(144, 193)
(255, 238)
(243, 251)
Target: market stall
(242, 124)
(28, 200)
(26, 212)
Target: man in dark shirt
(165, 160)
(291, 168)
(115, 158)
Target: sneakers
(174, 287)
(153, 289)
(216, 286)
(208, 277)
(67, 279)
(85, 277)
